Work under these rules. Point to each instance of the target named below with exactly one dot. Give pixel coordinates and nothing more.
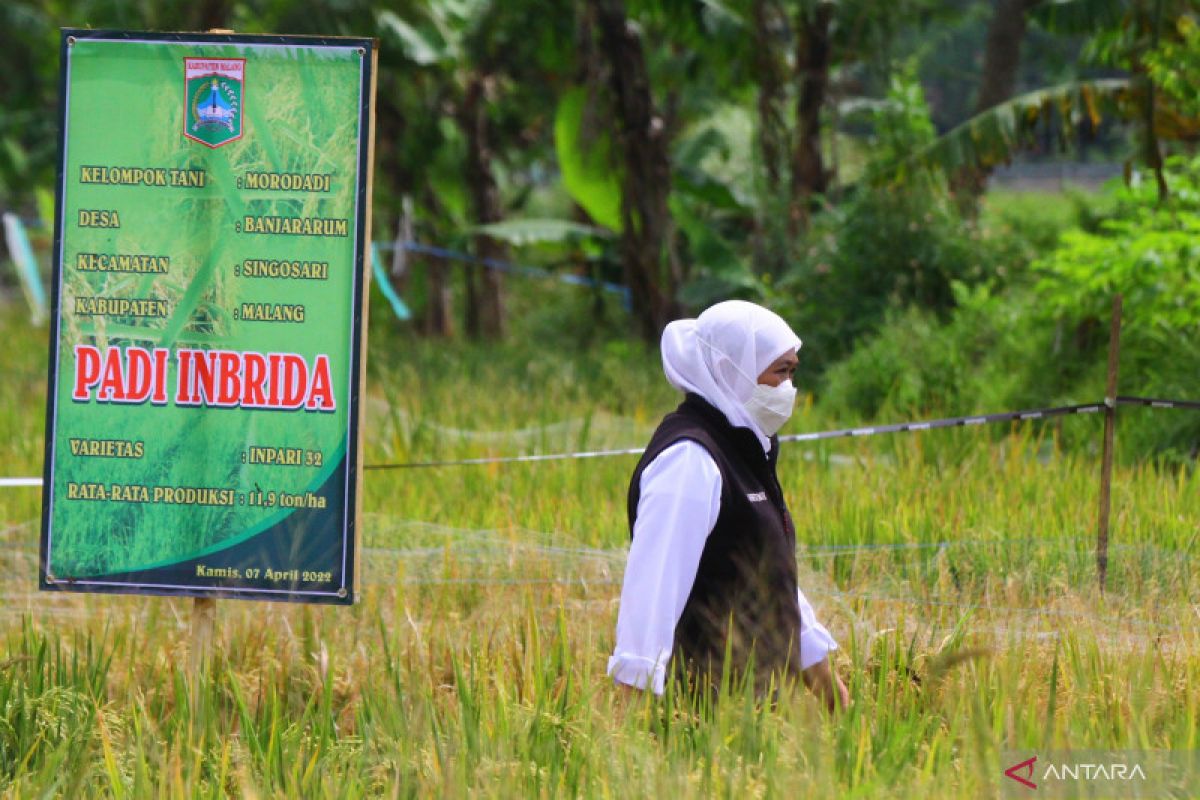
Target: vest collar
(744, 439)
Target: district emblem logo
(214, 99)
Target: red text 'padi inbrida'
(214, 378)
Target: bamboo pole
(1110, 420)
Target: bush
(1148, 251)
(1044, 342)
(882, 252)
(985, 357)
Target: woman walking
(712, 564)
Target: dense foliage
(1041, 337)
(826, 159)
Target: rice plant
(955, 568)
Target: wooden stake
(204, 612)
(1110, 421)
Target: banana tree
(650, 70)
(495, 64)
(992, 137)
(1126, 34)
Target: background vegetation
(874, 172)
(830, 160)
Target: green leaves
(442, 34)
(519, 232)
(586, 158)
(1079, 17)
(1150, 254)
(993, 137)
(417, 47)
(1175, 68)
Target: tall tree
(771, 33)
(650, 274)
(998, 82)
(825, 37)
(769, 74)
(485, 287)
(495, 66)
(1125, 34)
(450, 44)
(813, 58)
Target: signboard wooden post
(208, 316)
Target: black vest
(744, 596)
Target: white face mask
(771, 406)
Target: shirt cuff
(815, 640)
(639, 671)
(815, 644)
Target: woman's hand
(825, 684)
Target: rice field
(956, 568)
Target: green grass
(474, 662)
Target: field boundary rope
(968, 420)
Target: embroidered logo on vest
(757, 497)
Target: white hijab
(720, 354)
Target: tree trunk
(438, 307)
(646, 184)
(485, 286)
(1152, 151)
(1001, 60)
(471, 299)
(437, 317)
(404, 235)
(813, 56)
(769, 72)
(211, 15)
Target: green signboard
(207, 346)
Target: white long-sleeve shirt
(677, 509)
